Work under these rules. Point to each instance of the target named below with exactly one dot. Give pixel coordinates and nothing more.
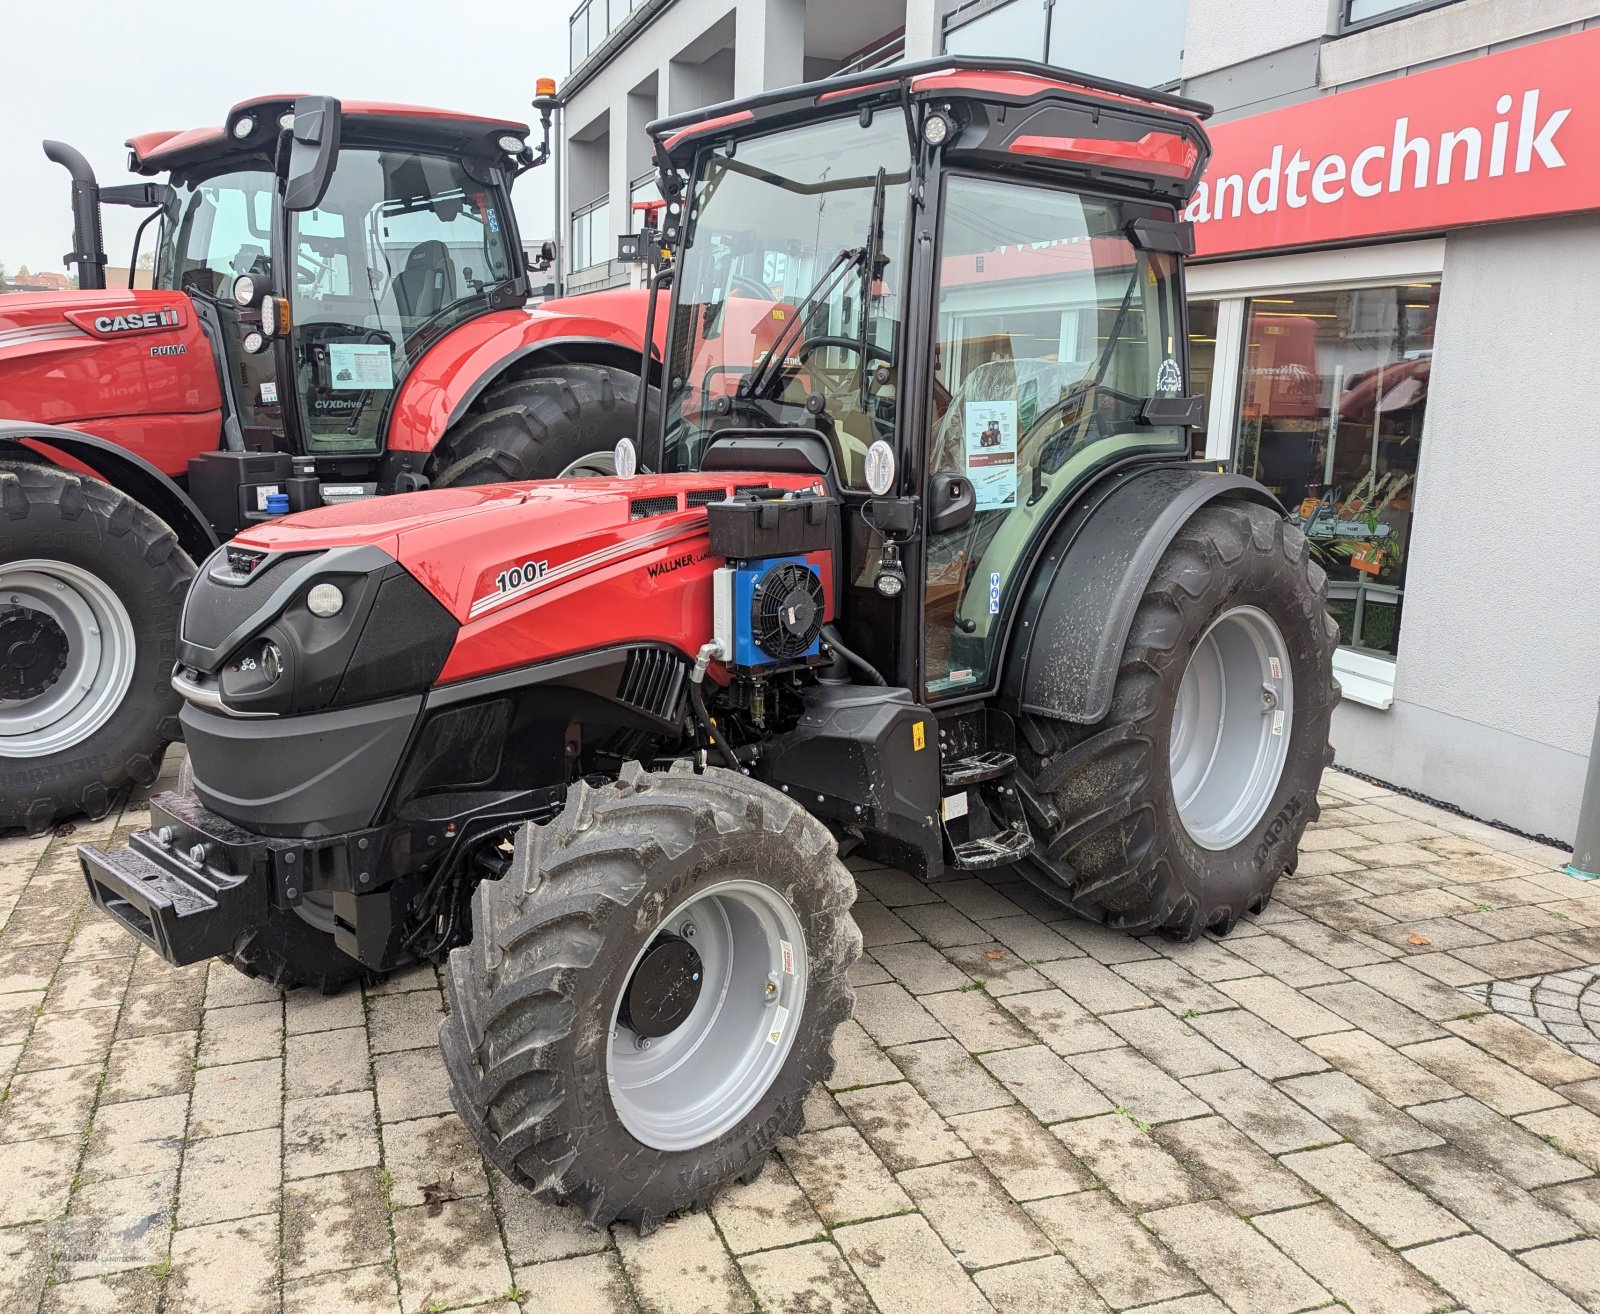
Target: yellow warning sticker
(919, 737)
(777, 312)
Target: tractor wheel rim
(683, 1089)
(100, 653)
(1231, 727)
(591, 466)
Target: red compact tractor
(338, 311)
(921, 568)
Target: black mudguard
(1091, 576)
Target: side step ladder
(984, 826)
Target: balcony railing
(591, 234)
(595, 20)
(889, 50)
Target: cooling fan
(768, 611)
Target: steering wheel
(749, 287)
(838, 381)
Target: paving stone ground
(1378, 1095)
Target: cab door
(1052, 332)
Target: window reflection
(1332, 401)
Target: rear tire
(540, 423)
(90, 590)
(545, 1071)
(1120, 848)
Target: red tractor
(338, 311)
(598, 744)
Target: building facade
(1393, 312)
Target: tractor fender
(120, 468)
(600, 328)
(1091, 577)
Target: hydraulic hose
(698, 702)
(831, 638)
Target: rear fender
(118, 467)
(602, 328)
(1092, 575)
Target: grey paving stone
(942, 926)
(142, 1067)
(1364, 1274)
(1375, 1013)
(1093, 985)
(1026, 1159)
(1171, 1043)
(1484, 1199)
(1103, 945)
(1282, 960)
(879, 926)
(1030, 939)
(841, 1176)
(1573, 1267)
(1336, 948)
(452, 1257)
(1382, 1069)
(1268, 1117)
(976, 1219)
(1494, 1138)
(921, 968)
(1131, 1163)
(1531, 1054)
(1063, 1024)
(857, 1059)
(423, 1151)
(237, 1257)
(1039, 1286)
(404, 1021)
(411, 1084)
(895, 888)
(329, 1133)
(1350, 1108)
(1483, 1077)
(231, 1177)
(130, 1140)
(1044, 1083)
(1573, 1131)
(1001, 971)
(906, 1269)
(682, 1267)
(901, 1126)
(327, 1063)
(808, 1279)
(975, 899)
(1125, 1264)
(1173, 985)
(1257, 1044)
(1285, 1008)
(1239, 1265)
(1131, 1081)
(949, 1077)
(1484, 1277)
(1422, 994)
(976, 1021)
(1249, 1180)
(241, 1033)
(891, 1016)
(334, 1222)
(370, 1289)
(1375, 1197)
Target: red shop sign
(1505, 136)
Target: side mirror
(313, 151)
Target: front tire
(90, 590)
(1181, 809)
(544, 422)
(556, 1004)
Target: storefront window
(1136, 41)
(1202, 358)
(1332, 397)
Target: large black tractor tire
(1117, 848)
(91, 584)
(286, 950)
(553, 1076)
(539, 423)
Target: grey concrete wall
(1499, 665)
(1224, 32)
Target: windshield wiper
(841, 264)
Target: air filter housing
(768, 612)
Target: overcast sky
(95, 72)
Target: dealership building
(1394, 310)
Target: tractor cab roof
(1003, 111)
(251, 127)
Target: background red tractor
(338, 311)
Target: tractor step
(997, 850)
(964, 772)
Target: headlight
(935, 128)
(325, 600)
(244, 127)
(253, 342)
(510, 145)
(271, 661)
(248, 289)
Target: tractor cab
(963, 279)
(326, 247)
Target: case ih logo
(1507, 136)
(139, 322)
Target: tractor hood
(539, 570)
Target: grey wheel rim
(100, 654)
(688, 1087)
(592, 466)
(1231, 727)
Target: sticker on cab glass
(1169, 378)
(994, 593)
(354, 366)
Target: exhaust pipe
(87, 241)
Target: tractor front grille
(643, 508)
(653, 680)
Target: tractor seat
(428, 282)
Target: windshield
(785, 287)
(403, 247)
